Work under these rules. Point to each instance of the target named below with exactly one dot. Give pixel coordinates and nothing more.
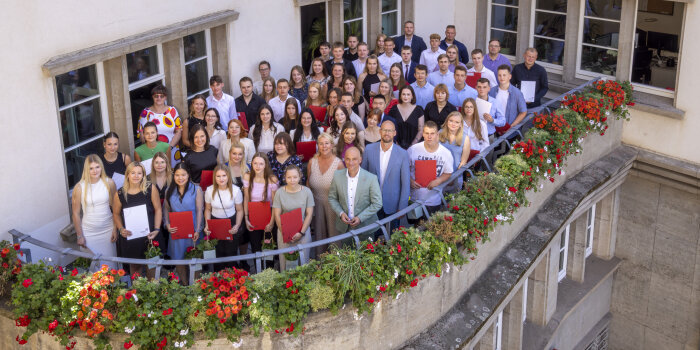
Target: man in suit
(354, 194)
(408, 65)
(394, 180)
(408, 39)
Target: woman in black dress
(372, 75)
(202, 156)
(113, 161)
(440, 108)
(197, 107)
(136, 191)
(409, 118)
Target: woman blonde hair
(197, 97)
(476, 121)
(319, 99)
(379, 67)
(376, 47)
(168, 169)
(143, 186)
(444, 134)
(238, 145)
(301, 72)
(274, 89)
(85, 178)
(329, 138)
(441, 88)
(229, 182)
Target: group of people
(369, 119)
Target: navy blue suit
(417, 46)
(411, 71)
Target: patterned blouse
(278, 168)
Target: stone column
(573, 16)
(335, 20)
(524, 15)
(576, 264)
(219, 56)
(625, 43)
(543, 286)
(512, 336)
(118, 102)
(605, 233)
(488, 340)
(374, 21)
(408, 12)
(174, 62)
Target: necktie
(406, 72)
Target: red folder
(185, 226)
(219, 229)
(502, 129)
(259, 214)
(291, 224)
(206, 179)
(306, 149)
(472, 154)
(244, 121)
(472, 77)
(426, 171)
(319, 113)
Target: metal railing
(502, 141)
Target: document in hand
(527, 87)
(306, 149)
(118, 180)
(291, 224)
(147, 165)
(185, 226)
(426, 171)
(206, 179)
(472, 78)
(319, 113)
(374, 88)
(219, 229)
(136, 221)
(483, 107)
(259, 214)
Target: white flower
(541, 186)
(590, 121)
(537, 169)
(238, 344)
(607, 112)
(447, 268)
(135, 297)
(129, 330)
(545, 148)
(501, 217)
(370, 239)
(150, 314)
(449, 250)
(549, 161)
(396, 274)
(556, 166)
(155, 321)
(255, 300)
(184, 331)
(199, 299)
(397, 296)
(377, 287)
(562, 173)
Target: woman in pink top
(259, 185)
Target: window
(391, 25)
(525, 299)
(590, 223)
(563, 252)
(83, 124)
(548, 30)
(197, 63)
(503, 24)
(498, 331)
(600, 31)
(354, 18)
(145, 70)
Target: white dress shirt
(430, 58)
(384, 162)
(386, 61)
(359, 67)
(352, 188)
(485, 73)
(226, 107)
(277, 106)
(502, 100)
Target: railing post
(191, 268)
(384, 231)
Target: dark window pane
(550, 25)
(195, 46)
(601, 33)
(598, 60)
(140, 98)
(75, 159)
(81, 122)
(352, 9)
(507, 39)
(197, 76)
(504, 18)
(354, 27)
(388, 5)
(552, 5)
(603, 8)
(142, 64)
(506, 2)
(76, 85)
(206, 94)
(561, 260)
(550, 51)
(389, 23)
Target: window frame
(207, 56)
(498, 332)
(564, 253)
(489, 28)
(590, 230)
(584, 74)
(363, 19)
(160, 76)
(550, 67)
(525, 286)
(398, 18)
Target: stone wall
(656, 293)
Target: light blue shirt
(435, 78)
(423, 94)
(457, 97)
(499, 119)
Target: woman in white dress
(92, 195)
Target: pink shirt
(256, 194)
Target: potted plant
(292, 260)
(153, 253)
(206, 249)
(268, 244)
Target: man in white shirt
(362, 54)
(264, 69)
(460, 91)
(409, 66)
(478, 59)
(346, 100)
(429, 57)
(354, 194)
(422, 88)
(277, 102)
(442, 76)
(430, 149)
(389, 57)
(224, 103)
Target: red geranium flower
(167, 312)
(414, 283)
(289, 284)
(370, 300)
(20, 341)
(28, 282)
(74, 272)
(128, 345)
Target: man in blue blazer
(408, 39)
(408, 66)
(391, 165)
(514, 107)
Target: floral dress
(166, 123)
(279, 168)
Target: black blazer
(417, 46)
